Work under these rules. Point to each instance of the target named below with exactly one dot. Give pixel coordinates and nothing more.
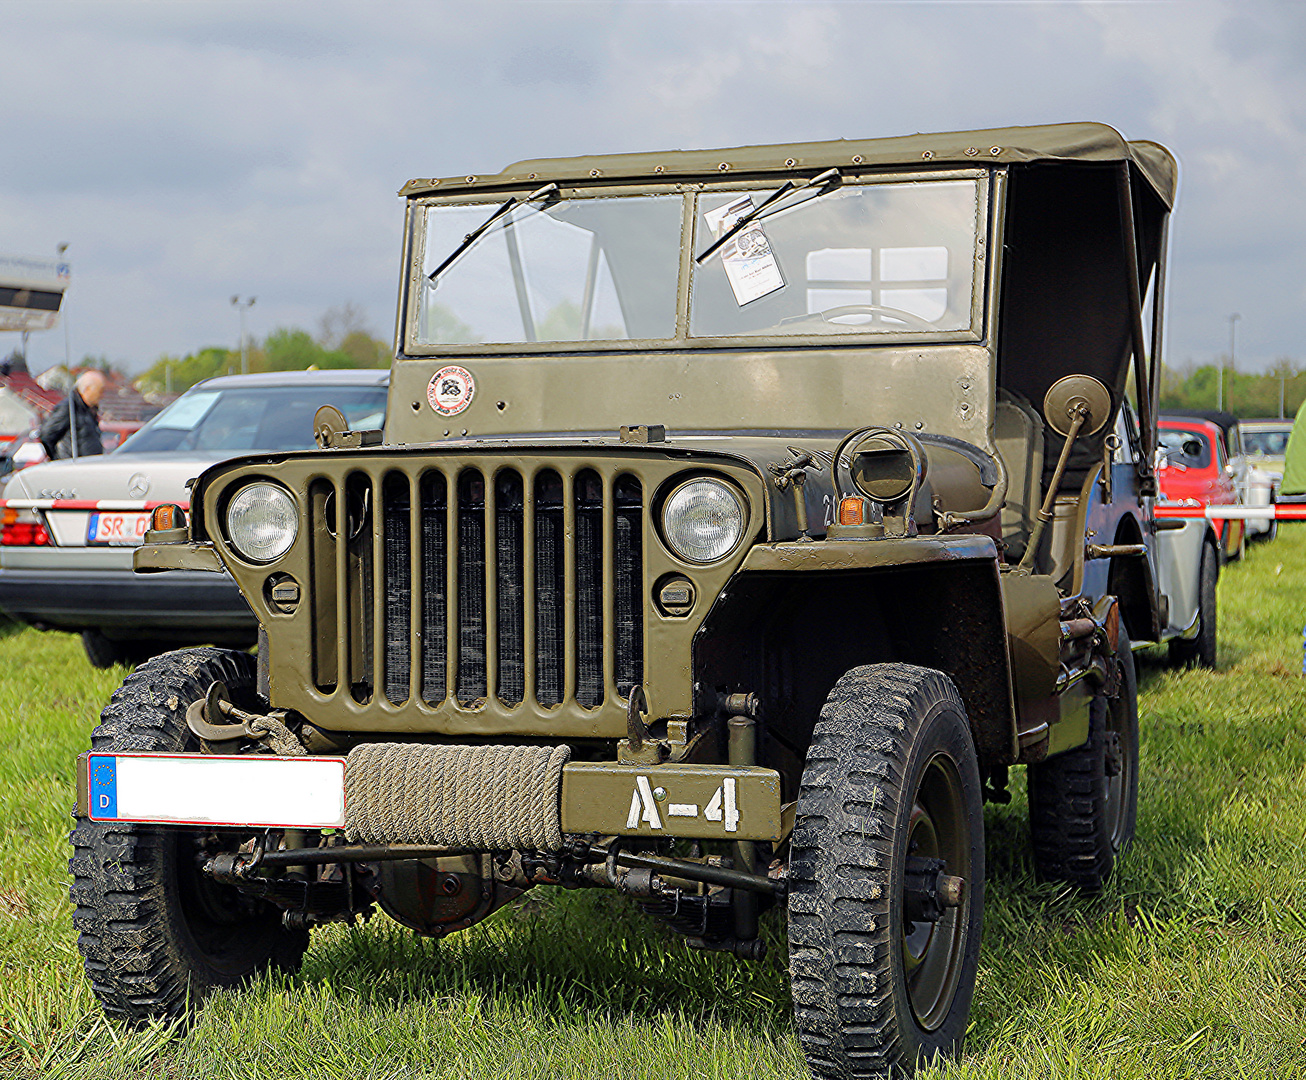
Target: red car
(1195, 470)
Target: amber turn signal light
(852, 510)
(167, 516)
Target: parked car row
(68, 528)
(1211, 458)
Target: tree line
(342, 341)
(1248, 395)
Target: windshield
(1266, 443)
(871, 258)
(1190, 449)
(569, 270)
(254, 418)
(844, 258)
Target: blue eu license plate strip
(213, 789)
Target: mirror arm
(1080, 415)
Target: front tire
(1083, 804)
(890, 790)
(156, 934)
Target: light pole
(67, 348)
(243, 306)
(1219, 393)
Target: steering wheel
(913, 321)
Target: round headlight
(262, 522)
(703, 520)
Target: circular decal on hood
(450, 390)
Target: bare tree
(340, 321)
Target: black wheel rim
(932, 951)
(222, 924)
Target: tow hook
(929, 891)
(202, 717)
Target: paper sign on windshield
(750, 264)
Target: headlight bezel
(676, 488)
(251, 555)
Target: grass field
(1193, 963)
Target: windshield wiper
(789, 187)
(477, 233)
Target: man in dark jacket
(73, 427)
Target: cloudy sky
(190, 151)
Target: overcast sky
(187, 152)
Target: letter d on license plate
(209, 789)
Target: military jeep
(741, 518)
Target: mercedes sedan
(68, 528)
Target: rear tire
(891, 774)
(1200, 650)
(156, 934)
(1083, 804)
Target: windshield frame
(691, 239)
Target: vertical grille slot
(358, 580)
(589, 588)
(327, 630)
(628, 574)
(510, 573)
(471, 686)
(549, 588)
(398, 587)
(435, 514)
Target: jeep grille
(471, 581)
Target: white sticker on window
(187, 411)
(914, 264)
(747, 258)
(839, 264)
(929, 304)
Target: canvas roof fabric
(1082, 143)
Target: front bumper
(190, 604)
(715, 802)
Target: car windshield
(1191, 449)
(253, 418)
(567, 270)
(849, 258)
(1266, 443)
(864, 258)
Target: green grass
(1192, 964)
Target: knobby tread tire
(1069, 823)
(879, 724)
(146, 952)
(1200, 651)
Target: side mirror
(1077, 397)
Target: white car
(69, 528)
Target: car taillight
(22, 528)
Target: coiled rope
(491, 798)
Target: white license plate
(210, 789)
(119, 528)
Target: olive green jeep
(740, 519)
